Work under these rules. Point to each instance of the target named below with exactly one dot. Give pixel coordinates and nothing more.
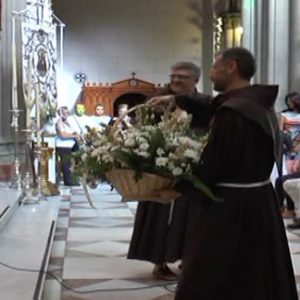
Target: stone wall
(107, 40)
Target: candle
(37, 114)
(28, 97)
(14, 95)
(28, 119)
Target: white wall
(107, 40)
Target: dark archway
(132, 99)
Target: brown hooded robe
(238, 248)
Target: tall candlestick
(28, 118)
(38, 114)
(14, 69)
(28, 97)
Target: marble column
(207, 45)
(255, 34)
(294, 46)
(278, 55)
(266, 30)
(6, 139)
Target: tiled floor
(89, 252)
(90, 248)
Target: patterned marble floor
(90, 246)
(89, 252)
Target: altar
(131, 91)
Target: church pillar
(278, 69)
(266, 30)
(6, 137)
(294, 62)
(207, 45)
(255, 34)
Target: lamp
(228, 30)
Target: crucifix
(133, 75)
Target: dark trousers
(281, 194)
(65, 161)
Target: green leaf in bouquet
(157, 140)
(128, 158)
(97, 168)
(198, 184)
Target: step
(8, 203)
(25, 243)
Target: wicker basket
(150, 187)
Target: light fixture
(80, 77)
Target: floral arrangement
(165, 147)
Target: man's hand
(161, 100)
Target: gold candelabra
(48, 188)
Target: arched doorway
(131, 99)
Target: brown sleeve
(199, 106)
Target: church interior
(68, 241)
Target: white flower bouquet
(166, 150)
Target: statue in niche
(42, 55)
(42, 63)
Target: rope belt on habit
(244, 185)
(225, 184)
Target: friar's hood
(256, 103)
(264, 95)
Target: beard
(220, 85)
(221, 82)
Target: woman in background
(66, 143)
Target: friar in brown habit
(159, 234)
(238, 248)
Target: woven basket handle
(115, 126)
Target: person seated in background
(290, 118)
(290, 124)
(100, 120)
(287, 173)
(292, 189)
(66, 143)
(122, 113)
(287, 101)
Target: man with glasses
(160, 230)
(184, 77)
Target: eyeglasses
(180, 76)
